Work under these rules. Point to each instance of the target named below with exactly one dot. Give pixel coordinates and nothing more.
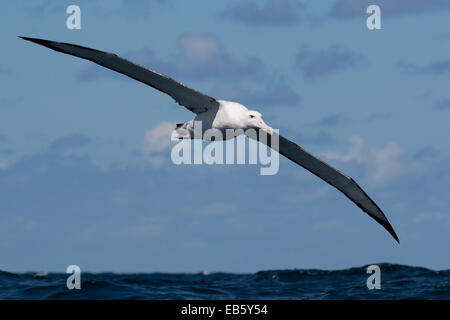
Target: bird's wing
(337, 179)
(195, 101)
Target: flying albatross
(221, 115)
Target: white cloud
(216, 209)
(199, 48)
(432, 217)
(3, 164)
(201, 55)
(157, 140)
(268, 13)
(382, 164)
(139, 228)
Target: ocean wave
(397, 282)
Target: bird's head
(253, 119)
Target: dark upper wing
(195, 101)
(340, 181)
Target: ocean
(397, 282)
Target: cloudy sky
(85, 170)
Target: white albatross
(221, 115)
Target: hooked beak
(263, 126)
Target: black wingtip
(38, 41)
(388, 227)
(384, 222)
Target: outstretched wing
(337, 179)
(195, 101)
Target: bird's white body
(222, 116)
(227, 115)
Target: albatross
(221, 115)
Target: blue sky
(85, 170)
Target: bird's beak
(263, 126)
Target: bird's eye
(252, 116)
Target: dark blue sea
(397, 282)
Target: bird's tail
(182, 131)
